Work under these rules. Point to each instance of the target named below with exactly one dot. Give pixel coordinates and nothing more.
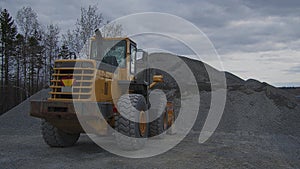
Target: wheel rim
(165, 121)
(142, 123)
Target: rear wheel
(159, 125)
(55, 137)
(131, 135)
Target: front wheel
(131, 128)
(55, 137)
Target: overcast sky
(257, 39)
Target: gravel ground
(223, 151)
(249, 136)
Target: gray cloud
(287, 84)
(233, 26)
(275, 7)
(294, 69)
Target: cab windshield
(112, 52)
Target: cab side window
(132, 58)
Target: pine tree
(8, 34)
(35, 50)
(20, 47)
(64, 52)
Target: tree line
(28, 50)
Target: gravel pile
(251, 106)
(18, 120)
(254, 113)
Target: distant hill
(292, 90)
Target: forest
(28, 49)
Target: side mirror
(142, 56)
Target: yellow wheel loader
(106, 79)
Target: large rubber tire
(159, 125)
(128, 135)
(55, 137)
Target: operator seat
(111, 60)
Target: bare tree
(27, 21)
(28, 24)
(50, 41)
(90, 19)
(72, 40)
(112, 30)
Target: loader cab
(113, 53)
